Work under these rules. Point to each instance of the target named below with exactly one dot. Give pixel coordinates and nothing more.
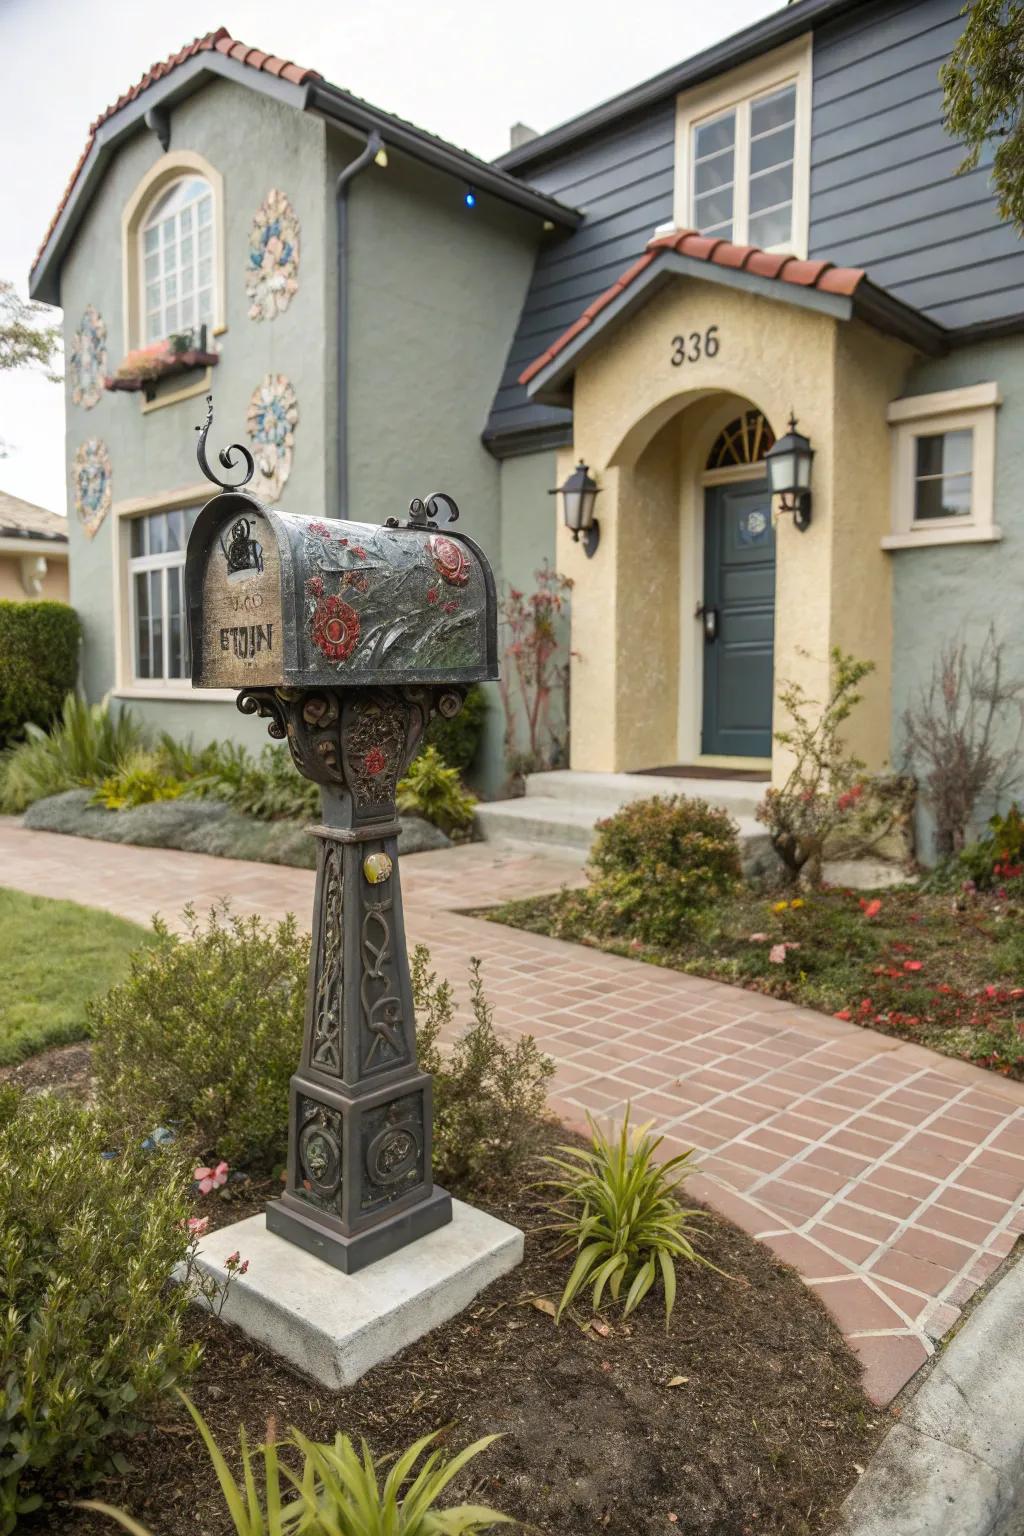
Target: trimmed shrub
(205, 1033)
(39, 645)
(487, 1095)
(435, 792)
(458, 740)
(89, 1328)
(658, 864)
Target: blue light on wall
(470, 198)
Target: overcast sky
(465, 69)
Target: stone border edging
(954, 1463)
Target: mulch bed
(745, 1418)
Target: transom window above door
(177, 255)
(742, 148)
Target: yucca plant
(616, 1207)
(339, 1491)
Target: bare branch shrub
(957, 737)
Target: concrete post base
(335, 1327)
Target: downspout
(374, 146)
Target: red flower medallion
(375, 762)
(450, 561)
(335, 628)
(315, 586)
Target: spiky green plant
(86, 745)
(339, 1491)
(616, 1207)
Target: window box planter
(145, 367)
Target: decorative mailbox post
(348, 637)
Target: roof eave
(333, 102)
(773, 31)
(550, 385)
(44, 279)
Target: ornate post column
(360, 1113)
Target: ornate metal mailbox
(348, 637)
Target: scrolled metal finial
(424, 514)
(226, 455)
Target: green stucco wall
(435, 291)
(955, 592)
(255, 143)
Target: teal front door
(738, 617)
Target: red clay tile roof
(722, 253)
(220, 41)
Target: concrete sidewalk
(892, 1178)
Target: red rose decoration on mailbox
(335, 628)
(450, 561)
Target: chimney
(520, 133)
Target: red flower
(375, 762)
(335, 628)
(433, 594)
(844, 1014)
(322, 529)
(871, 908)
(450, 561)
(912, 965)
(315, 586)
(451, 607)
(359, 551)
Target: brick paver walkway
(892, 1178)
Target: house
(33, 552)
(773, 228)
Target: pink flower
(233, 1258)
(243, 1266)
(871, 908)
(777, 954)
(198, 1225)
(211, 1178)
(912, 965)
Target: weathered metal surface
(277, 598)
(347, 638)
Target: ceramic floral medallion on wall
(87, 364)
(272, 276)
(92, 483)
(270, 422)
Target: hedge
(39, 644)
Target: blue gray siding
(622, 182)
(884, 189)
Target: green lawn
(55, 956)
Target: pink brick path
(892, 1178)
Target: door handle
(709, 619)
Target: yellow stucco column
(644, 425)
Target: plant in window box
(143, 367)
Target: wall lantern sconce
(579, 493)
(789, 474)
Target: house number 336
(690, 349)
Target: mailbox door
(238, 638)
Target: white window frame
(970, 409)
(139, 565)
(126, 684)
(151, 221)
(790, 65)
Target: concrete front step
(550, 821)
(609, 791)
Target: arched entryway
(699, 484)
(736, 610)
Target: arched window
(178, 245)
(744, 441)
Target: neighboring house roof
(841, 291)
(773, 31)
(218, 53)
(22, 520)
